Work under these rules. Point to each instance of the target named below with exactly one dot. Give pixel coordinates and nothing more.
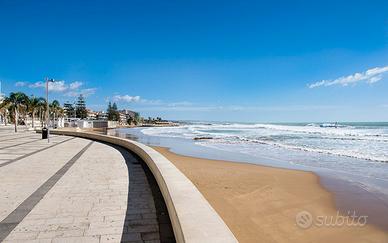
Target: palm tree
(54, 107)
(15, 102)
(34, 105)
(42, 110)
(4, 111)
(23, 109)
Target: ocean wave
(345, 153)
(326, 133)
(305, 148)
(346, 131)
(366, 144)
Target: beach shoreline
(261, 203)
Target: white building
(71, 122)
(83, 124)
(102, 115)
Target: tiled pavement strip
(18, 156)
(98, 199)
(14, 218)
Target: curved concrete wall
(192, 217)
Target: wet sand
(260, 203)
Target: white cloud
(84, 92)
(71, 90)
(57, 86)
(151, 102)
(137, 99)
(21, 84)
(126, 98)
(88, 92)
(182, 103)
(75, 85)
(38, 84)
(72, 94)
(370, 76)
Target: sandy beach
(260, 204)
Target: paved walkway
(75, 190)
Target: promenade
(76, 190)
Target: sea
(353, 154)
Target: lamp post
(48, 107)
(2, 118)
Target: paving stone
(29, 241)
(110, 238)
(104, 230)
(24, 236)
(152, 241)
(82, 239)
(150, 236)
(103, 197)
(141, 228)
(59, 233)
(131, 237)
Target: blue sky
(204, 60)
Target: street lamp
(48, 107)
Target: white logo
(304, 219)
